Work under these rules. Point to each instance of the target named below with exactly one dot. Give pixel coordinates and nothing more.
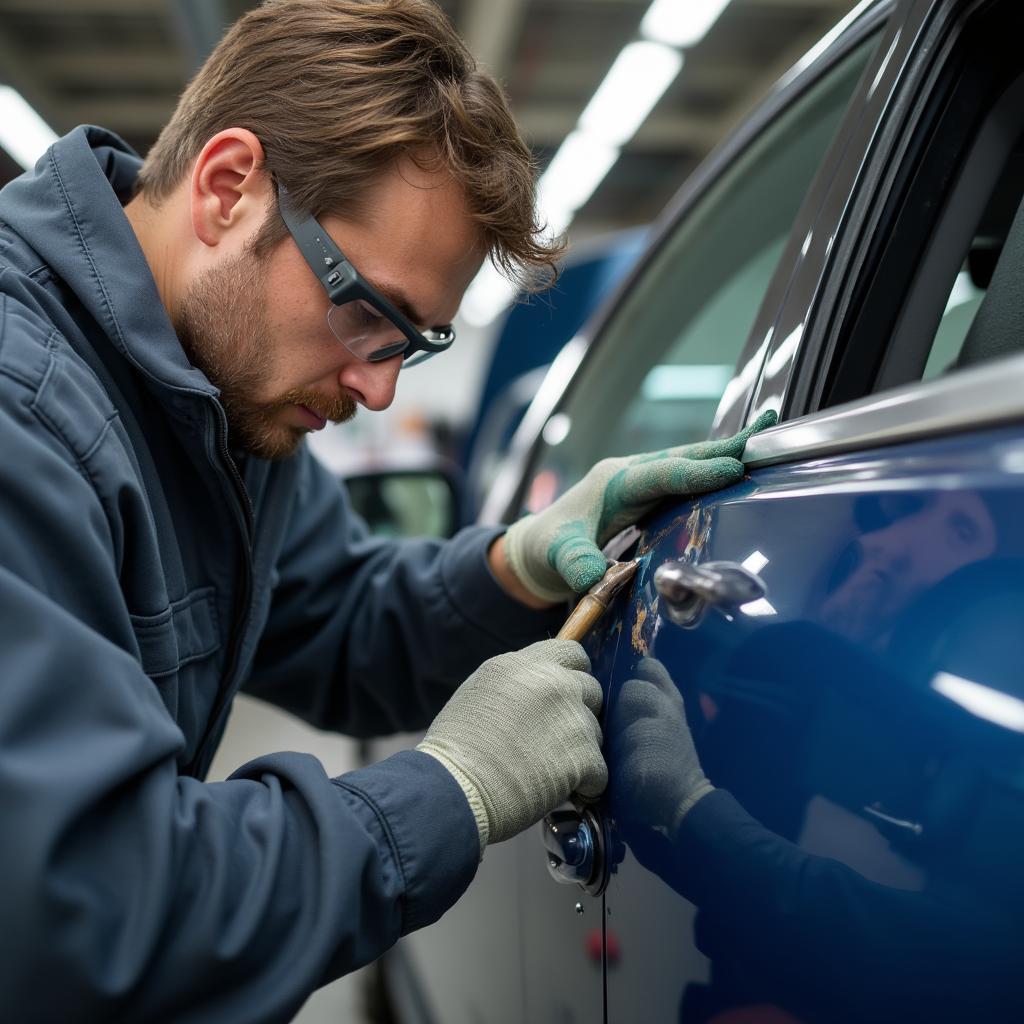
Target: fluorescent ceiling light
(488, 294)
(759, 608)
(755, 562)
(784, 353)
(634, 83)
(992, 705)
(681, 22)
(23, 133)
(575, 171)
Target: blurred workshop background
(620, 101)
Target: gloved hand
(558, 551)
(649, 742)
(520, 735)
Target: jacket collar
(69, 208)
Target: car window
(921, 311)
(983, 250)
(657, 373)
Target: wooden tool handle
(583, 618)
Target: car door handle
(575, 844)
(686, 589)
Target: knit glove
(558, 551)
(520, 735)
(649, 743)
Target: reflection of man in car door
(913, 543)
(807, 933)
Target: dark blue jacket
(146, 575)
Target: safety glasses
(362, 319)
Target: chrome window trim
(970, 399)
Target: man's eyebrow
(401, 301)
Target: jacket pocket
(184, 632)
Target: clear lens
(365, 331)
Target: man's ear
(228, 188)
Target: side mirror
(408, 502)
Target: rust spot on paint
(698, 530)
(639, 640)
(680, 523)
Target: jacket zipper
(244, 517)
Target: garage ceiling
(122, 64)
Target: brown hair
(335, 90)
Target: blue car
(838, 640)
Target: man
(166, 539)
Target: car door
(866, 711)
(661, 371)
(862, 716)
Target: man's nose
(372, 384)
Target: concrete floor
(256, 728)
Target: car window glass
(657, 373)
(962, 306)
(984, 249)
(933, 299)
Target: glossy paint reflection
(910, 543)
(860, 857)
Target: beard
(223, 329)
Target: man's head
(376, 119)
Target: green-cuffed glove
(558, 551)
(520, 735)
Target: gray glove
(520, 735)
(656, 765)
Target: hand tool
(596, 600)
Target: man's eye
(366, 313)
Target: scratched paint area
(638, 628)
(675, 526)
(690, 533)
(645, 626)
(698, 529)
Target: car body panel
(846, 711)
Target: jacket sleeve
(369, 636)
(127, 892)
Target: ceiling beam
(491, 29)
(114, 67)
(58, 7)
(199, 25)
(15, 70)
(127, 116)
(837, 6)
(547, 126)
